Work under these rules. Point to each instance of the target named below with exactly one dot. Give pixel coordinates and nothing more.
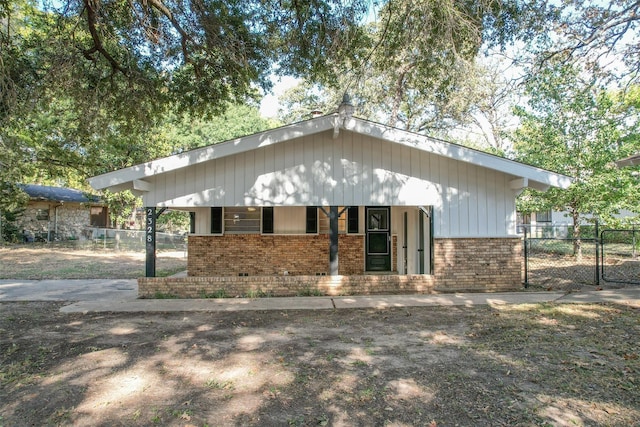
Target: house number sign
(150, 231)
(151, 224)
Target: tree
(83, 82)
(601, 34)
(578, 129)
(182, 132)
(410, 71)
(192, 56)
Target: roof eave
(543, 178)
(117, 178)
(124, 178)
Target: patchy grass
(38, 262)
(524, 365)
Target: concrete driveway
(68, 290)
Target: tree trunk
(577, 241)
(397, 99)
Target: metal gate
(620, 262)
(551, 260)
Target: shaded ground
(567, 273)
(48, 261)
(525, 365)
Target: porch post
(150, 239)
(333, 240)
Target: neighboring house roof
(57, 194)
(629, 161)
(133, 177)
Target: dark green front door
(378, 238)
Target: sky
(270, 104)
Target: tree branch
(184, 36)
(92, 21)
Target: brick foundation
(201, 287)
(215, 262)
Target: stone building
(56, 213)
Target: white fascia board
(535, 176)
(629, 161)
(211, 152)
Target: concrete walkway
(622, 296)
(121, 296)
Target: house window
(312, 219)
(42, 214)
(241, 220)
(267, 220)
(325, 223)
(544, 216)
(98, 216)
(523, 218)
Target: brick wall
(265, 255)
(478, 264)
(460, 265)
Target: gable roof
(133, 177)
(57, 194)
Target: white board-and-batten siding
(350, 170)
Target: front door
(378, 238)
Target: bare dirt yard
(503, 365)
(507, 365)
(47, 261)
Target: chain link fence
(97, 238)
(557, 259)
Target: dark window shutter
(353, 220)
(267, 220)
(216, 220)
(312, 219)
(192, 222)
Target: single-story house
(58, 213)
(340, 205)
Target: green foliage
(258, 293)
(89, 87)
(121, 206)
(578, 129)
(9, 231)
(220, 293)
(140, 58)
(173, 222)
(309, 292)
(186, 132)
(416, 69)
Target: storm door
(378, 238)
